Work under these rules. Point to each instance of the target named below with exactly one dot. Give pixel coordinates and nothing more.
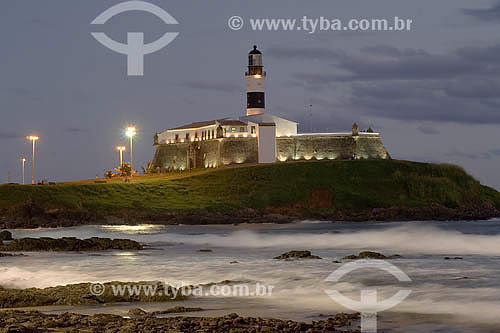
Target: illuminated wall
(214, 153)
(330, 147)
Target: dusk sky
(433, 92)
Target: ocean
(461, 294)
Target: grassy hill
(355, 185)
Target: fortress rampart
(224, 151)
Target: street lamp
(121, 149)
(33, 139)
(23, 160)
(131, 132)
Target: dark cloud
(429, 130)
(486, 14)
(214, 86)
(7, 135)
(412, 84)
(473, 88)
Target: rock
(206, 250)
(337, 262)
(33, 321)
(177, 309)
(371, 255)
(453, 258)
(70, 244)
(234, 262)
(80, 294)
(295, 255)
(11, 255)
(5, 236)
(137, 312)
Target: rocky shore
(81, 294)
(34, 322)
(33, 215)
(69, 244)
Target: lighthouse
(255, 83)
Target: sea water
(458, 295)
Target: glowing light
(130, 132)
(283, 158)
(192, 139)
(120, 148)
(245, 135)
(236, 135)
(32, 138)
(254, 135)
(182, 140)
(257, 76)
(228, 135)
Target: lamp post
(33, 139)
(131, 132)
(121, 149)
(23, 160)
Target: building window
(233, 129)
(187, 136)
(177, 137)
(253, 129)
(196, 135)
(213, 134)
(242, 129)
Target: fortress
(257, 137)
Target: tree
(125, 170)
(108, 174)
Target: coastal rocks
(80, 294)
(206, 250)
(10, 255)
(371, 255)
(70, 244)
(33, 321)
(453, 258)
(137, 312)
(177, 309)
(296, 255)
(5, 236)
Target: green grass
(354, 184)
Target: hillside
(354, 186)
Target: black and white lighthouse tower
(255, 83)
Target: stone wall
(217, 152)
(205, 154)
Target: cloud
(486, 14)
(7, 135)
(214, 86)
(429, 130)
(461, 85)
